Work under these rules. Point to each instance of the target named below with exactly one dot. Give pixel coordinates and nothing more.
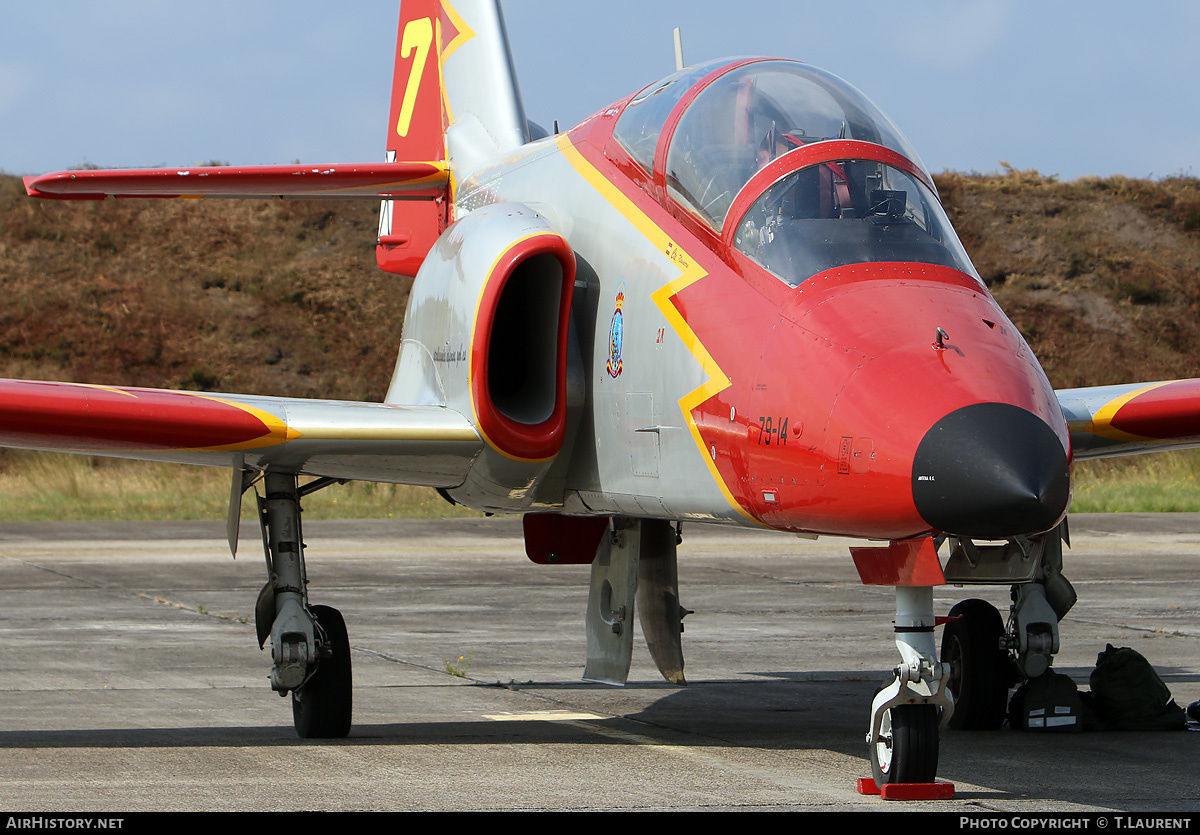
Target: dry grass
(52, 487)
(1165, 482)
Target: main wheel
(907, 748)
(978, 666)
(321, 708)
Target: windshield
(847, 212)
(753, 114)
(643, 118)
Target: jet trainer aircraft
(731, 297)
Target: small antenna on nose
(678, 50)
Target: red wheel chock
(906, 791)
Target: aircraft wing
(1105, 421)
(426, 445)
(416, 180)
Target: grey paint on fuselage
(620, 470)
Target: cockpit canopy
(808, 216)
(741, 121)
(750, 116)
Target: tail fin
(455, 100)
(454, 75)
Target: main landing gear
(980, 673)
(310, 649)
(986, 655)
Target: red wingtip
(31, 188)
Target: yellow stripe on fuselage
(690, 273)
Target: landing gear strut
(309, 645)
(907, 714)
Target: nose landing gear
(907, 714)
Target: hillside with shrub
(262, 296)
(1102, 276)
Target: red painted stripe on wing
(72, 416)
(1164, 412)
(411, 179)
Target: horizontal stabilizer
(427, 445)
(413, 180)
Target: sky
(1067, 88)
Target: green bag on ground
(1128, 695)
(1051, 702)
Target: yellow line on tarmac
(543, 716)
(789, 775)
(584, 722)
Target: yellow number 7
(418, 35)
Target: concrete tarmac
(131, 679)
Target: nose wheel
(906, 748)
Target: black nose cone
(991, 471)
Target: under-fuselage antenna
(678, 50)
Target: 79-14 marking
(772, 427)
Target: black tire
(321, 709)
(907, 748)
(979, 674)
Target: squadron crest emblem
(616, 336)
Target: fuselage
(778, 324)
